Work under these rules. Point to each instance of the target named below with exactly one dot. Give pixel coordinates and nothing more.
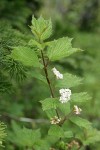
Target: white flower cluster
(65, 95)
(57, 73)
(55, 120)
(77, 110)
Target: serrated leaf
(60, 48)
(56, 131)
(80, 97)
(49, 103)
(24, 136)
(64, 107)
(41, 28)
(26, 56)
(68, 81)
(80, 122)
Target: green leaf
(49, 103)
(51, 113)
(35, 43)
(61, 48)
(56, 131)
(80, 97)
(80, 122)
(68, 134)
(68, 81)
(92, 136)
(26, 56)
(42, 145)
(37, 75)
(64, 107)
(24, 136)
(41, 28)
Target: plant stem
(66, 118)
(47, 78)
(46, 74)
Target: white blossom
(77, 110)
(57, 73)
(65, 95)
(55, 120)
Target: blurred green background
(19, 94)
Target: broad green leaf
(80, 97)
(61, 48)
(51, 113)
(80, 122)
(41, 28)
(68, 134)
(26, 56)
(49, 103)
(68, 81)
(56, 131)
(64, 107)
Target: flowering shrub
(66, 129)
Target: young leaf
(80, 97)
(61, 48)
(26, 56)
(80, 122)
(56, 131)
(42, 29)
(35, 43)
(68, 81)
(49, 103)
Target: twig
(23, 119)
(47, 78)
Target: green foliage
(50, 113)
(2, 133)
(82, 97)
(49, 103)
(25, 55)
(81, 122)
(42, 29)
(65, 108)
(57, 112)
(23, 136)
(92, 136)
(69, 80)
(37, 75)
(61, 48)
(56, 131)
(29, 56)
